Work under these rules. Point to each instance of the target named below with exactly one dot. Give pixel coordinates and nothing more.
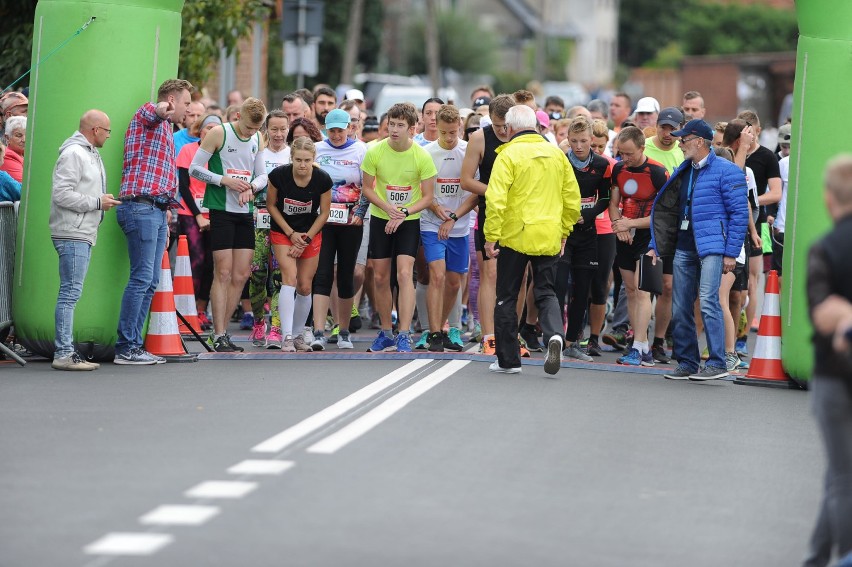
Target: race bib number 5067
(398, 195)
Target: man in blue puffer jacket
(700, 217)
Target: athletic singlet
(638, 186)
(594, 182)
(489, 156)
(236, 158)
(448, 191)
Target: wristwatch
(453, 216)
(404, 211)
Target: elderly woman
(16, 135)
(10, 190)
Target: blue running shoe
(632, 358)
(381, 342)
(742, 348)
(247, 322)
(403, 342)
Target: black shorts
(581, 250)
(230, 231)
(777, 250)
(403, 242)
(740, 278)
(751, 250)
(626, 255)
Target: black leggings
(606, 258)
(343, 242)
(580, 283)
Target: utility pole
(433, 54)
(353, 41)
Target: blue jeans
(697, 277)
(74, 257)
(147, 231)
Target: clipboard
(651, 276)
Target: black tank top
(489, 155)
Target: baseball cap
(671, 116)
(354, 94)
(13, 99)
(784, 134)
(647, 104)
(337, 118)
(371, 124)
(695, 127)
(481, 101)
(543, 118)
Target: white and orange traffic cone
(184, 292)
(163, 338)
(765, 367)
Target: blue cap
(697, 127)
(337, 118)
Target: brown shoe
(73, 362)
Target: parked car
(574, 94)
(417, 95)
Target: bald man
(77, 206)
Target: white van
(417, 95)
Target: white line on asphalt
(270, 467)
(124, 543)
(368, 421)
(220, 489)
(474, 348)
(179, 515)
(320, 419)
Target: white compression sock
(300, 312)
(286, 306)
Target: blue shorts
(455, 251)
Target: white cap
(647, 104)
(354, 94)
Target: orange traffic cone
(163, 338)
(766, 368)
(184, 293)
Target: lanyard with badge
(684, 223)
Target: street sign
(302, 60)
(311, 24)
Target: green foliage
(734, 28)
(333, 44)
(16, 41)
(510, 81)
(652, 33)
(464, 45)
(557, 52)
(208, 26)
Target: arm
(472, 157)
(602, 203)
(497, 196)
(274, 213)
(369, 191)
(322, 218)
(831, 314)
(427, 195)
(773, 192)
(570, 200)
(733, 193)
(261, 177)
(66, 177)
(152, 116)
(461, 214)
(185, 193)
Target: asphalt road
(390, 462)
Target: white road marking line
(474, 348)
(124, 543)
(220, 489)
(179, 515)
(271, 467)
(320, 419)
(368, 421)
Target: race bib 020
(339, 213)
(263, 219)
(398, 196)
(448, 188)
(294, 207)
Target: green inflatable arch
(115, 64)
(823, 72)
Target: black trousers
(510, 271)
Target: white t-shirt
(781, 219)
(448, 192)
(751, 189)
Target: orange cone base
(786, 383)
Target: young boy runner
(445, 230)
(399, 181)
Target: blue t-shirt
(183, 138)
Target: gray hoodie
(79, 180)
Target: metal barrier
(8, 229)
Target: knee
(223, 274)
(404, 273)
(381, 278)
(303, 288)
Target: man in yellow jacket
(533, 202)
